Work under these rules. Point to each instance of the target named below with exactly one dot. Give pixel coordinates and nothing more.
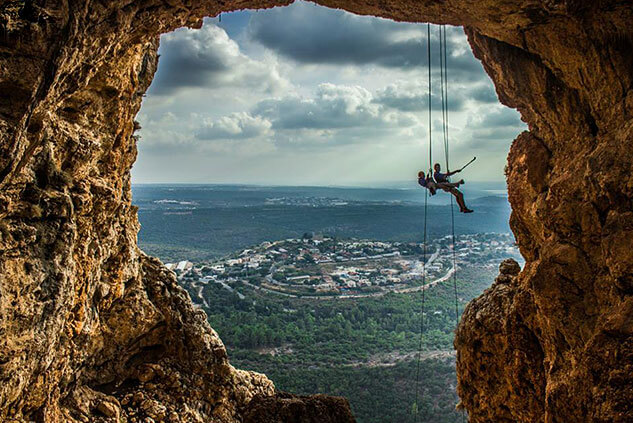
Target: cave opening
(309, 123)
(550, 343)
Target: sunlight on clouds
(310, 95)
(237, 125)
(208, 57)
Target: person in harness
(442, 182)
(426, 181)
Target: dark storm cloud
(316, 35)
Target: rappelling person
(426, 181)
(442, 182)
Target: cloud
(484, 93)
(414, 97)
(195, 136)
(209, 58)
(492, 125)
(497, 117)
(332, 107)
(236, 126)
(311, 88)
(334, 115)
(316, 35)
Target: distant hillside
(491, 200)
(204, 222)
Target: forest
(364, 349)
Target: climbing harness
(445, 137)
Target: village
(320, 266)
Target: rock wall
(554, 344)
(92, 329)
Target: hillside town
(318, 266)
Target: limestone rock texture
(91, 329)
(284, 407)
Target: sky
(306, 95)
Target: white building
(184, 265)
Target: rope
(444, 88)
(424, 248)
(428, 55)
(444, 83)
(420, 344)
(444, 93)
(445, 137)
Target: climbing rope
(444, 89)
(424, 247)
(444, 83)
(445, 138)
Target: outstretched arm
(453, 172)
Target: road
(392, 358)
(373, 294)
(207, 279)
(199, 289)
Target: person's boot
(461, 182)
(466, 210)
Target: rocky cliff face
(92, 329)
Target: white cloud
(319, 99)
(493, 126)
(207, 57)
(332, 107)
(236, 126)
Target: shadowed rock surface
(92, 330)
(288, 408)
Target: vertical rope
(446, 89)
(428, 58)
(424, 248)
(444, 83)
(445, 136)
(444, 86)
(444, 94)
(420, 343)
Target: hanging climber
(426, 181)
(442, 182)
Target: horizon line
(389, 185)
